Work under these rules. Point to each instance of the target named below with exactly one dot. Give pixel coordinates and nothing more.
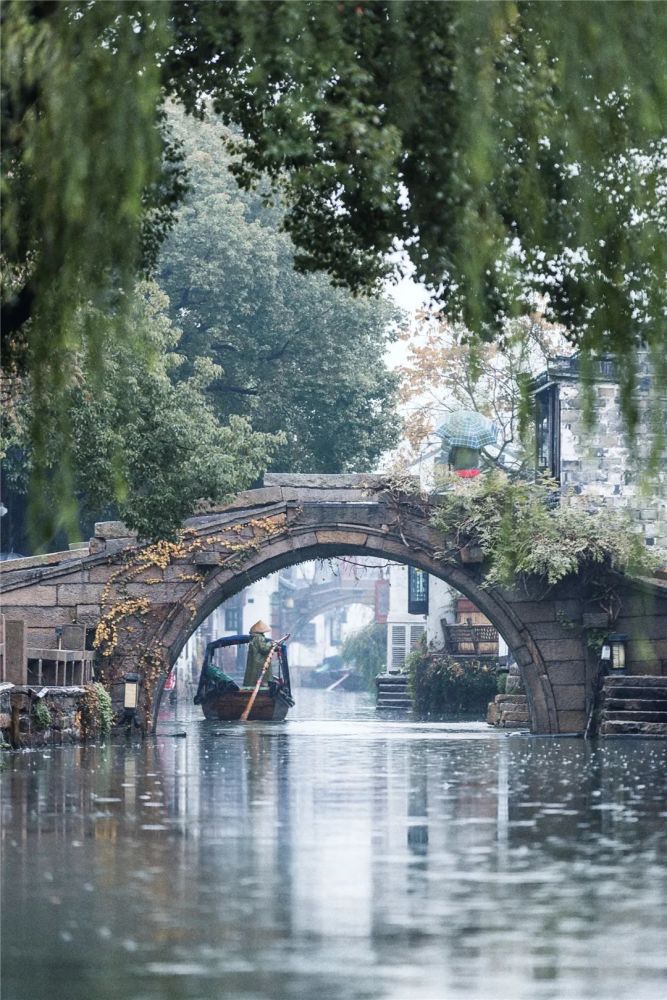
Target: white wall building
(420, 604)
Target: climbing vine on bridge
(530, 529)
(519, 529)
(119, 628)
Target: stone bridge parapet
(144, 601)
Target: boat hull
(230, 706)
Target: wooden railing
(52, 666)
(471, 639)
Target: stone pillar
(16, 651)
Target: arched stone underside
(150, 600)
(273, 556)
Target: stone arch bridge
(322, 598)
(145, 601)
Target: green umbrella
(467, 429)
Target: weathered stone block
(341, 537)
(518, 718)
(534, 611)
(323, 481)
(40, 617)
(595, 619)
(160, 593)
(88, 614)
(74, 637)
(566, 671)
(113, 529)
(646, 649)
(41, 638)
(570, 696)
(82, 593)
(646, 668)
(210, 558)
(567, 607)
(571, 722)
(243, 501)
(560, 649)
(308, 495)
(550, 630)
(101, 574)
(37, 595)
(302, 540)
(16, 641)
(644, 627)
(114, 545)
(522, 656)
(514, 685)
(176, 572)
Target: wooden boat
(230, 706)
(225, 700)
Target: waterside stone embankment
(31, 717)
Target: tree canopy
(298, 356)
(146, 446)
(511, 149)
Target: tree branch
(236, 388)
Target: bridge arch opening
(275, 555)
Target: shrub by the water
(96, 711)
(42, 715)
(441, 685)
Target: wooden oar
(251, 699)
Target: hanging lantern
(616, 642)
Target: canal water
(335, 856)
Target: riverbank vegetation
(441, 685)
(96, 711)
(243, 366)
(298, 356)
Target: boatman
(258, 649)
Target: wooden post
(16, 651)
(14, 736)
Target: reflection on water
(335, 856)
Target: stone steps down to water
(393, 691)
(508, 711)
(634, 706)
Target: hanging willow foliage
(515, 150)
(82, 150)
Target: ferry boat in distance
(222, 699)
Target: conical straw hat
(259, 626)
